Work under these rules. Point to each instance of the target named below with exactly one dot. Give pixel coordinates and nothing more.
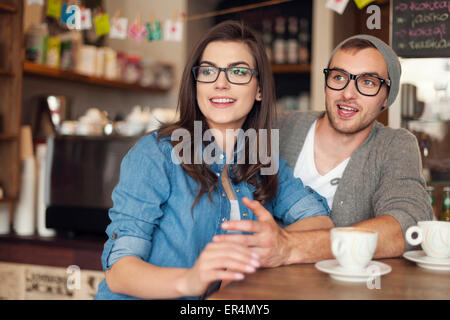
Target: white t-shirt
(305, 169)
(235, 213)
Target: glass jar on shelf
(279, 43)
(36, 43)
(133, 69)
(304, 41)
(292, 43)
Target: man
(369, 174)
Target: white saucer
(426, 262)
(336, 272)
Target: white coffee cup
(353, 247)
(433, 236)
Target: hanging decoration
(154, 29)
(86, 18)
(70, 12)
(337, 5)
(137, 30)
(54, 8)
(101, 23)
(64, 14)
(118, 27)
(173, 28)
(362, 3)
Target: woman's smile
(222, 102)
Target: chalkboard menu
(420, 28)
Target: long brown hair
(261, 115)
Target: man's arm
(312, 246)
(390, 236)
(401, 193)
(294, 244)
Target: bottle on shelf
(267, 38)
(430, 191)
(279, 43)
(303, 41)
(36, 43)
(445, 214)
(292, 42)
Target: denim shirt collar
(220, 157)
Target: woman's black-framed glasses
(235, 75)
(366, 84)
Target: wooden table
(406, 281)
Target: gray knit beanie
(392, 62)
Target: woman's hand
(274, 245)
(218, 261)
(266, 238)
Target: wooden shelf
(7, 8)
(7, 136)
(31, 68)
(4, 72)
(291, 68)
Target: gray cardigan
(383, 176)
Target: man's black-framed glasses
(366, 84)
(235, 75)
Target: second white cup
(433, 236)
(353, 247)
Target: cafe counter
(56, 268)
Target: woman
(171, 200)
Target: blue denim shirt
(151, 217)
